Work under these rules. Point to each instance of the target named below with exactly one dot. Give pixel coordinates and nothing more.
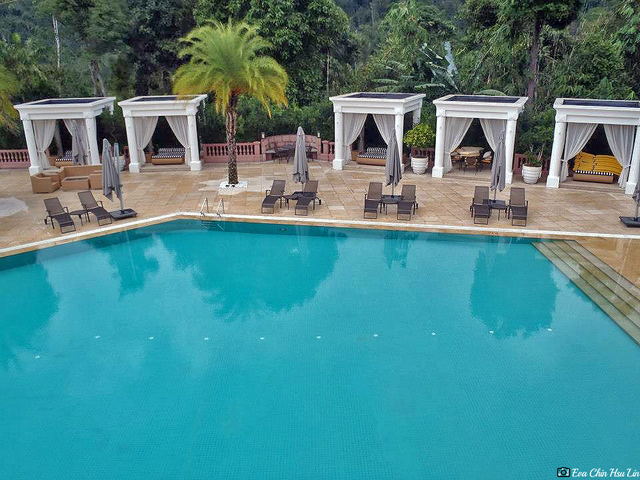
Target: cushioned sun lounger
(90, 205)
(55, 211)
(275, 193)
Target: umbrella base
(122, 214)
(631, 222)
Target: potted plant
(532, 167)
(420, 138)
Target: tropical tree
(9, 86)
(225, 60)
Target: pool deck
(578, 209)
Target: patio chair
(302, 205)
(90, 205)
(481, 213)
(407, 204)
(518, 207)
(480, 197)
(275, 193)
(372, 199)
(55, 211)
(472, 162)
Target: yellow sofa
(596, 168)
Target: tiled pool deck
(443, 202)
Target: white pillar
(635, 165)
(509, 145)
(194, 148)
(34, 158)
(559, 132)
(416, 116)
(134, 163)
(438, 162)
(399, 127)
(338, 159)
(92, 133)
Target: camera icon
(564, 472)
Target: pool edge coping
(434, 228)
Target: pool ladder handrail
(205, 202)
(220, 204)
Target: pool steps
(613, 293)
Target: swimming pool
(239, 351)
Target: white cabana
(577, 119)
(388, 109)
(141, 117)
(454, 114)
(39, 122)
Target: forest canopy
(539, 48)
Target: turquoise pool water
(247, 351)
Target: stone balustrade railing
(10, 159)
(263, 150)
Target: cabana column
(338, 159)
(399, 128)
(635, 165)
(134, 161)
(509, 146)
(559, 133)
(34, 158)
(194, 148)
(438, 164)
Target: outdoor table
(498, 205)
(389, 200)
(80, 214)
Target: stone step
(579, 271)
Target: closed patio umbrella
(111, 183)
(78, 145)
(300, 162)
(393, 165)
(498, 168)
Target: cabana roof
(583, 110)
(480, 106)
(374, 102)
(60, 108)
(161, 105)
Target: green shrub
(420, 136)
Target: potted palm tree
(225, 60)
(532, 167)
(420, 138)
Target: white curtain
(79, 146)
(180, 127)
(620, 138)
(352, 124)
(43, 131)
(386, 126)
(145, 126)
(455, 130)
(492, 130)
(578, 134)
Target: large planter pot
(419, 165)
(531, 175)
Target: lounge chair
(308, 196)
(372, 199)
(480, 196)
(90, 205)
(480, 208)
(518, 207)
(55, 211)
(275, 193)
(407, 204)
(472, 162)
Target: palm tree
(225, 60)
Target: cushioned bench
(168, 156)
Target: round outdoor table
(80, 213)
